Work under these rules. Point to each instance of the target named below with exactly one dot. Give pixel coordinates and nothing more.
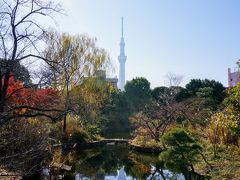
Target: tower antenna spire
(122, 59)
(122, 26)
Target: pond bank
(128, 142)
(7, 175)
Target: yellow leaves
(233, 124)
(224, 119)
(74, 57)
(92, 95)
(220, 126)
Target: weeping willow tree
(74, 58)
(92, 98)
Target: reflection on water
(119, 175)
(115, 162)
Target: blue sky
(194, 38)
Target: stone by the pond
(66, 167)
(62, 166)
(45, 171)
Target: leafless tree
(173, 79)
(23, 146)
(156, 117)
(20, 40)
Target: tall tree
(20, 35)
(117, 112)
(217, 89)
(74, 58)
(138, 93)
(173, 79)
(89, 100)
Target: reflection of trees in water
(106, 159)
(139, 165)
(101, 162)
(110, 159)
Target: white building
(122, 59)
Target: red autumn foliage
(18, 95)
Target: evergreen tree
(182, 151)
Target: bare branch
(173, 79)
(19, 38)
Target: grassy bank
(226, 164)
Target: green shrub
(75, 133)
(94, 131)
(182, 151)
(80, 136)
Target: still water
(114, 162)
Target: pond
(113, 162)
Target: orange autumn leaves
(18, 95)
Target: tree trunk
(65, 123)
(205, 160)
(66, 104)
(1, 87)
(4, 90)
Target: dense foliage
(182, 150)
(85, 107)
(138, 92)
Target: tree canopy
(182, 150)
(138, 92)
(198, 86)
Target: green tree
(182, 150)
(117, 113)
(194, 85)
(182, 95)
(205, 92)
(217, 91)
(156, 92)
(138, 93)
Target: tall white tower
(122, 59)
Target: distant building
(102, 75)
(122, 59)
(233, 77)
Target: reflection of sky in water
(121, 175)
(167, 174)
